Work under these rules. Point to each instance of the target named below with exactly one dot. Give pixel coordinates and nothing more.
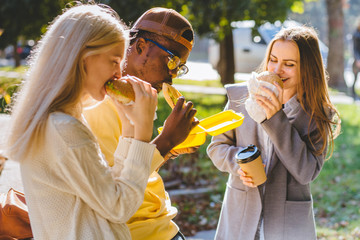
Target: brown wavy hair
(312, 91)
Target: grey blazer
(284, 201)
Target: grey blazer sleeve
(292, 146)
(223, 148)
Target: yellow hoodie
(153, 220)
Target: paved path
(10, 176)
(203, 235)
(4, 124)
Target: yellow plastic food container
(213, 125)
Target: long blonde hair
(312, 91)
(54, 81)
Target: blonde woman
(293, 140)
(70, 190)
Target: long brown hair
(312, 91)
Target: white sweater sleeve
(114, 193)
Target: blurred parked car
(250, 44)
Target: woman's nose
(277, 69)
(118, 71)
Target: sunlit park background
(221, 55)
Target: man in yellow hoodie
(161, 41)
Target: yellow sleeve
(156, 161)
(153, 219)
(105, 124)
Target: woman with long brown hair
(293, 140)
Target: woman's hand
(272, 105)
(127, 127)
(247, 180)
(141, 113)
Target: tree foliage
(214, 17)
(26, 18)
(129, 11)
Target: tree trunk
(16, 56)
(226, 65)
(335, 61)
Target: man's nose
(173, 73)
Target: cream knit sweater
(70, 191)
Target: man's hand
(174, 153)
(176, 127)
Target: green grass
(206, 83)
(20, 69)
(8, 86)
(336, 191)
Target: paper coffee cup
(250, 161)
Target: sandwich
(121, 90)
(171, 94)
(270, 77)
